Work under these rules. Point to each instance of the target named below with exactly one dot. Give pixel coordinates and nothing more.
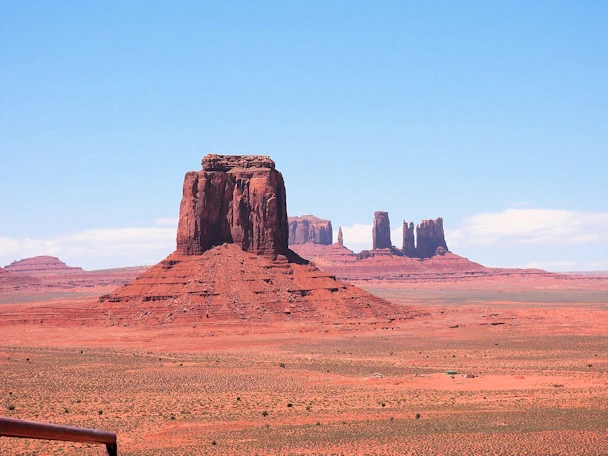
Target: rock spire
(381, 232)
(409, 246)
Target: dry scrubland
(186, 392)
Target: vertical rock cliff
(234, 199)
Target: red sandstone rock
(41, 265)
(429, 237)
(11, 281)
(308, 228)
(225, 283)
(340, 237)
(234, 199)
(409, 246)
(381, 232)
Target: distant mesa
(50, 274)
(232, 261)
(41, 265)
(308, 228)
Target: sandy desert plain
(537, 347)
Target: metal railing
(11, 427)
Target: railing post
(112, 449)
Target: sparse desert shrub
(65, 410)
(100, 412)
(213, 442)
(282, 365)
(11, 407)
(289, 405)
(308, 408)
(417, 416)
(264, 413)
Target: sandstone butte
(232, 261)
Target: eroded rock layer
(308, 228)
(11, 281)
(226, 283)
(234, 199)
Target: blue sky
(491, 114)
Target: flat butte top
(214, 162)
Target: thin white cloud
(166, 221)
(357, 234)
(95, 248)
(531, 226)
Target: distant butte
(232, 260)
(308, 228)
(41, 265)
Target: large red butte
(234, 199)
